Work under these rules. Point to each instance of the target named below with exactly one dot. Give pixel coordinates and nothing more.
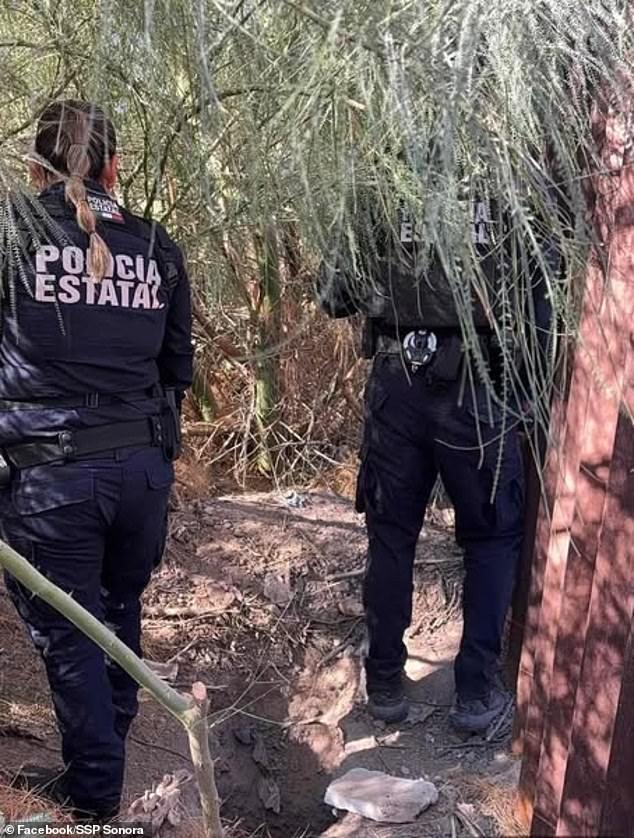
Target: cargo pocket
(35, 613)
(375, 398)
(369, 498)
(505, 479)
(510, 494)
(44, 488)
(481, 409)
(375, 395)
(51, 506)
(161, 543)
(160, 477)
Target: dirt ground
(259, 598)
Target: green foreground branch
(189, 711)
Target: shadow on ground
(261, 602)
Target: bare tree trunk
(266, 364)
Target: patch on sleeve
(105, 208)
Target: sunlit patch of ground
(259, 597)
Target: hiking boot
(45, 782)
(51, 784)
(475, 715)
(387, 702)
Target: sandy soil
(259, 597)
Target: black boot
(387, 700)
(44, 782)
(478, 714)
(51, 784)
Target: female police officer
(95, 356)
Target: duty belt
(69, 445)
(441, 355)
(390, 344)
(81, 401)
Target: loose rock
(380, 797)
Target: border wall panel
(575, 719)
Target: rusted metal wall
(576, 674)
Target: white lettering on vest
(125, 288)
(125, 267)
(140, 268)
(107, 293)
(153, 276)
(46, 253)
(90, 286)
(481, 221)
(45, 288)
(131, 281)
(141, 297)
(407, 232)
(73, 260)
(69, 290)
(156, 303)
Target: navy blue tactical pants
(96, 528)
(413, 432)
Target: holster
(369, 338)
(171, 421)
(445, 368)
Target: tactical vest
(25, 244)
(160, 246)
(411, 288)
(62, 332)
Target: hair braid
(78, 140)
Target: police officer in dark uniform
(95, 357)
(429, 413)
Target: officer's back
(95, 356)
(430, 411)
(69, 334)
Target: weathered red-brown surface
(593, 742)
(617, 811)
(577, 645)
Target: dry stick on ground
(186, 709)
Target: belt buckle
(419, 348)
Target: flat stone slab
(380, 797)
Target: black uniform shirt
(65, 334)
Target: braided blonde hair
(77, 139)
